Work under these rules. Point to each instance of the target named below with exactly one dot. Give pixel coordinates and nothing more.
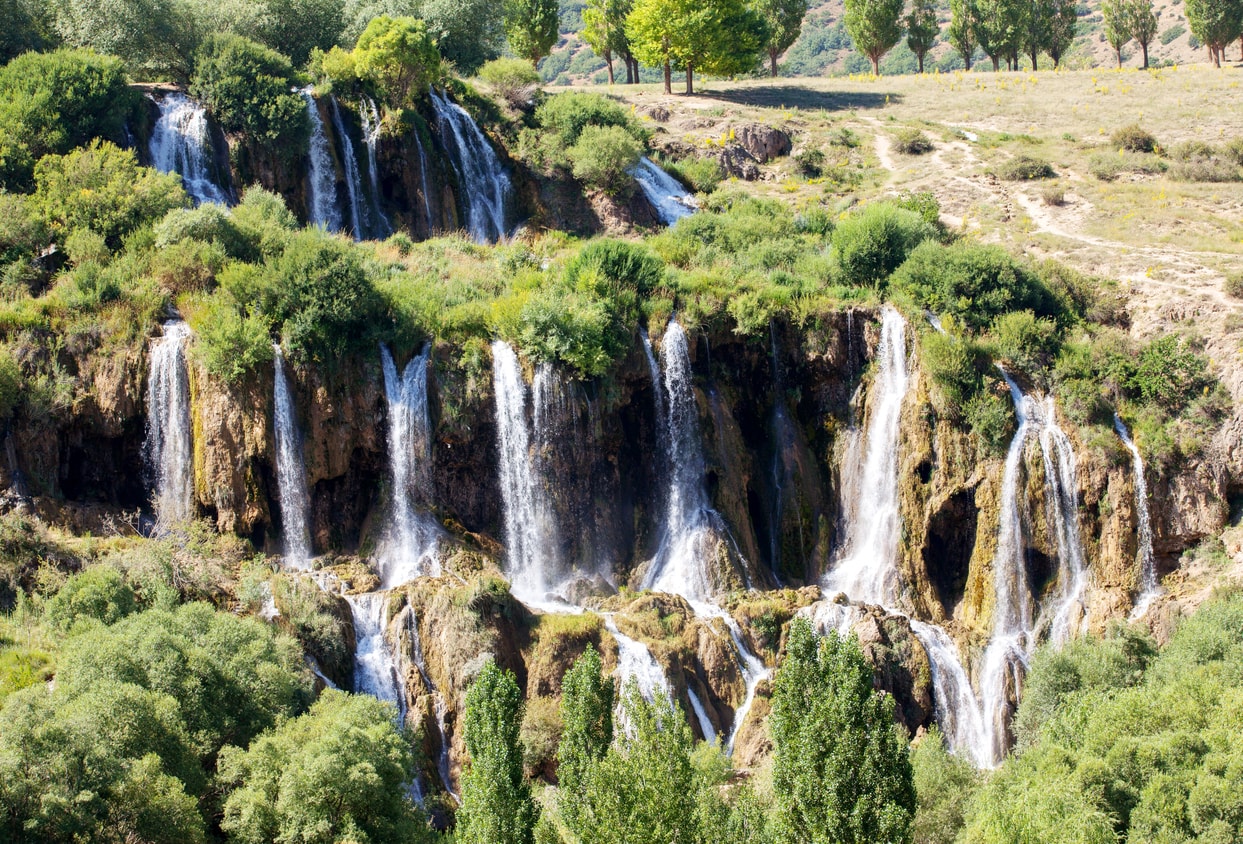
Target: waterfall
(934, 321)
(532, 544)
(425, 184)
(1150, 589)
(169, 447)
(635, 660)
(410, 547)
(181, 144)
(483, 181)
(668, 197)
(375, 670)
(783, 434)
(322, 201)
(290, 473)
(866, 566)
(440, 706)
(370, 117)
(957, 708)
(1062, 502)
(701, 715)
(353, 179)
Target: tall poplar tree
(1062, 29)
(785, 22)
(1117, 25)
(961, 31)
(531, 26)
(875, 26)
(922, 29)
(1142, 22)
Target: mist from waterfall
(181, 143)
(531, 537)
(322, 178)
(295, 503)
(866, 563)
(484, 183)
(353, 177)
(375, 670)
(169, 444)
(409, 547)
(1149, 587)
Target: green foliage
(922, 29)
(1024, 168)
(1108, 166)
(841, 769)
(470, 32)
(1023, 341)
(952, 368)
(875, 27)
(872, 243)
(155, 38)
(913, 142)
(644, 788)
(701, 175)
(603, 158)
(961, 31)
(398, 57)
(531, 26)
(973, 283)
(102, 188)
(1169, 372)
(567, 115)
(784, 19)
(496, 801)
(944, 784)
(28, 27)
(1215, 23)
(51, 103)
(586, 734)
(10, 384)
(99, 593)
(514, 80)
(723, 37)
(337, 773)
(247, 88)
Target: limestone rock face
(764, 143)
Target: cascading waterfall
(169, 445)
(353, 178)
(1062, 501)
(671, 201)
(701, 715)
(1150, 589)
(370, 117)
(322, 204)
(635, 660)
(181, 144)
(410, 547)
(485, 184)
(439, 705)
(958, 709)
(375, 670)
(424, 184)
(290, 472)
(530, 527)
(865, 568)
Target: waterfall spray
(1150, 589)
(670, 199)
(181, 144)
(322, 200)
(353, 179)
(169, 448)
(290, 472)
(485, 184)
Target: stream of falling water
(1150, 588)
(670, 199)
(353, 177)
(484, 183)
(409, 548)
(181, 143)
(290, 471)
(169, 444)
(322, 177)
(370, 117)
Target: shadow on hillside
(801, 97)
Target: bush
(247, 88)
(51, 103)
(514, 80)
(1170, 373)
(1020, 339)
(1054, 195)
(603, 158)
(265, 221)
(1234, 284)
(913, 142)
(991, 419)
(208, 223)
(1108, 166)
(616, 268)
(99, 593)
(944, 785)
(102, 188)
(950, 364)
(810, 162)
(231, 342)
(1133, 139)
(871, 244)
(701, 175)
(567, 115)
(10, 383)
(974, 283)
(1024, 168)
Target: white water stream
(169, 444)
(322, 177)
(482, 178)
(181, 143)
(671, 201)
(1150, 588)
(295, 503)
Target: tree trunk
(1241, 48)
(634, 67)
(772, 62)
(875, 65)
(996, 63)
(1034, 67)
(1144, 48)
(921, 63)
(608, 57)
(967, 61)
(668, 79)
(690, 79)
(1118, 53)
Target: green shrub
(1133, 139)
(22, 232)
(923, 203)
(265, 221)
(51, 103)
(102, 188)
(10, 383)
(189, 266)
(247, 88)
(701, 175)
(1024, 342)
(810, 162)
(208, 223)
(944, 784)
(603, 158)
(991, 419)
(616, 268)
(1234, 151)
(1053, 194)
(1234, 284)
(1108, 166)
(912, 142)
(1171, 35)
(231, 342)
(99, 593)
(558, 324)
(974, 283)
(398, 58)
(1024, 168)
(567, 115)
(513, 80)
(871, 244)
(1169, 372)
(950, 365)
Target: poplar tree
(841, 767)
(532, 27)
(922, 29)
(997, 28)
(785, 22)
(586, 733)
(1036, 28)
(723, 37)
(1142, 22)
(1216, 23)
(496, 801)
(874, 26)
(1062, 29)
(1117, 26)
(961, 31)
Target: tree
(961, 32)
(723, 37)
(468, 33)
(27, 26)
(644, 789)
(1036, 25)
(337, 773)
(1117, 25)
(246, 86)
(1216, 23)
(1142, 23)
(299, 27)
(532, 27)
(874, 26)
(586, 732)
(153, 37)
(841, 767)
(398, 58)
(1062, 29)
(785, 22)
(997, 28)
(496, 801)
(922, 29)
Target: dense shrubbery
(246, 86)
(614, 140)
(871, 244)
(395, 59)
